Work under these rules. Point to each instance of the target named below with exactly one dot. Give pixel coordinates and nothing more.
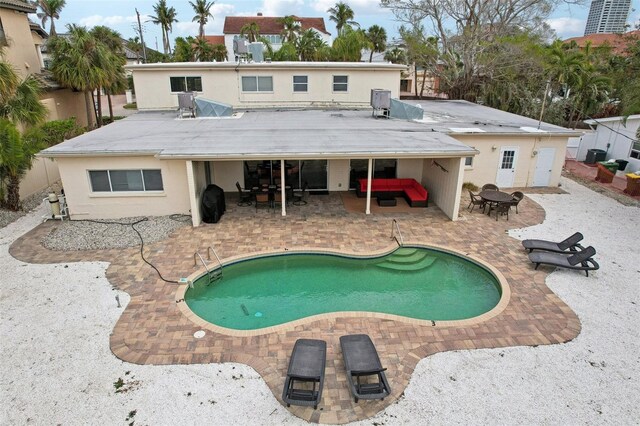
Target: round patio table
(494, 197)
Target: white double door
(507, 166)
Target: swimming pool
(412, 282)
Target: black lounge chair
(581, 261)
(571, 244)
(306, 370)
(361, 361)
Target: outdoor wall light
(534, 153)
(493, 148)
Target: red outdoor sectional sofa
(410, 189)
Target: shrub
(57, 131)
(469, 186)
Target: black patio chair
(580, 261)
(475, 201)
(245, 197)
(502, 209)
(262, 199)
(490, 187)
(517, 197)
(362, 362)
(306, 371)
(299, 198)
(571, 244)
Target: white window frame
(468, 166)
(257, 86)
(633, 152)
(333, 83)
(111, 191)
(306, 84)
(186, 87)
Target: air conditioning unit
(380, 99)
(240, 46)
(256, 50)
(186, 105)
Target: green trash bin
(612, 167)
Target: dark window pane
(340, 79)
(300, 79)
(99, 181)
(265, 84)
(126, 180)
(177, 84)
(194, 84)
(249, 84)
(152, 180)
(468, 161)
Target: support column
(369, 167)
(193, 200)
(283, 182)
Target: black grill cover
(213, 205)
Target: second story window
(300, 83)
(257, 84)
(186, 84)
(340, 83)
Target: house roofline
(266, 65)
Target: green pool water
(411, 282)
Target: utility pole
(144, 50)
(544, 102)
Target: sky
(120, 15)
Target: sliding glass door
(382, 168)
(267, 172)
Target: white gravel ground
(591, 380)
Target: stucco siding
(43, 173)
(410, 168)
(65, 103)
(21, 52)
(444, 186)
(153, 89)
(339, 175)
(485, 164)
(83, 203)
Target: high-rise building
(607, 16)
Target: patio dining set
(491, 199)
(271, 195)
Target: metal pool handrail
(196, 255)
(211, 249)
(395, 228)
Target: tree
(203, 50)
(84, 63)
(422, 52)
(219, 52)
(377, 37)
(50, 9)
(291, 28)
(343, 16)
(348, 47)
(116, 82)
(251, 31)
(308, 44)
(465, 30)
(20, 100)
(396, 56)
(564, 67)
(184, 49)
(16, 157)
(202, 8)
(165, 17)
(287, 52)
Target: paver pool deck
(154, 330)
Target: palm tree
(219, 52)
(165, 17)
(20, 100)
(50, 10)
(16, 156)
(251, 31)
(395, 56)
(348, 47)
(308, 45)
(203, 13)
(184, 49)
(564, 66)
(377, 37)
(342, 15)
(117, 83)
(203, 50)
(290, 28)
(83, 63)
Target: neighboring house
(618, 136)
(420, 83)
(607, 16)
(264, 85)
(154, 164)
(270, 28)
(21, 40)
(617, 42)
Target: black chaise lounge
(305, 376)
(581, 261)
(570, 244)
(362, 362)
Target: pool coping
(290, 325)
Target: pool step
(415, 257)
(404, 251)
(419, 265)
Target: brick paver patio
(153, 330)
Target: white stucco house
(321, 130)
(270, 28)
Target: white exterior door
(544, 165)
(507, 166)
